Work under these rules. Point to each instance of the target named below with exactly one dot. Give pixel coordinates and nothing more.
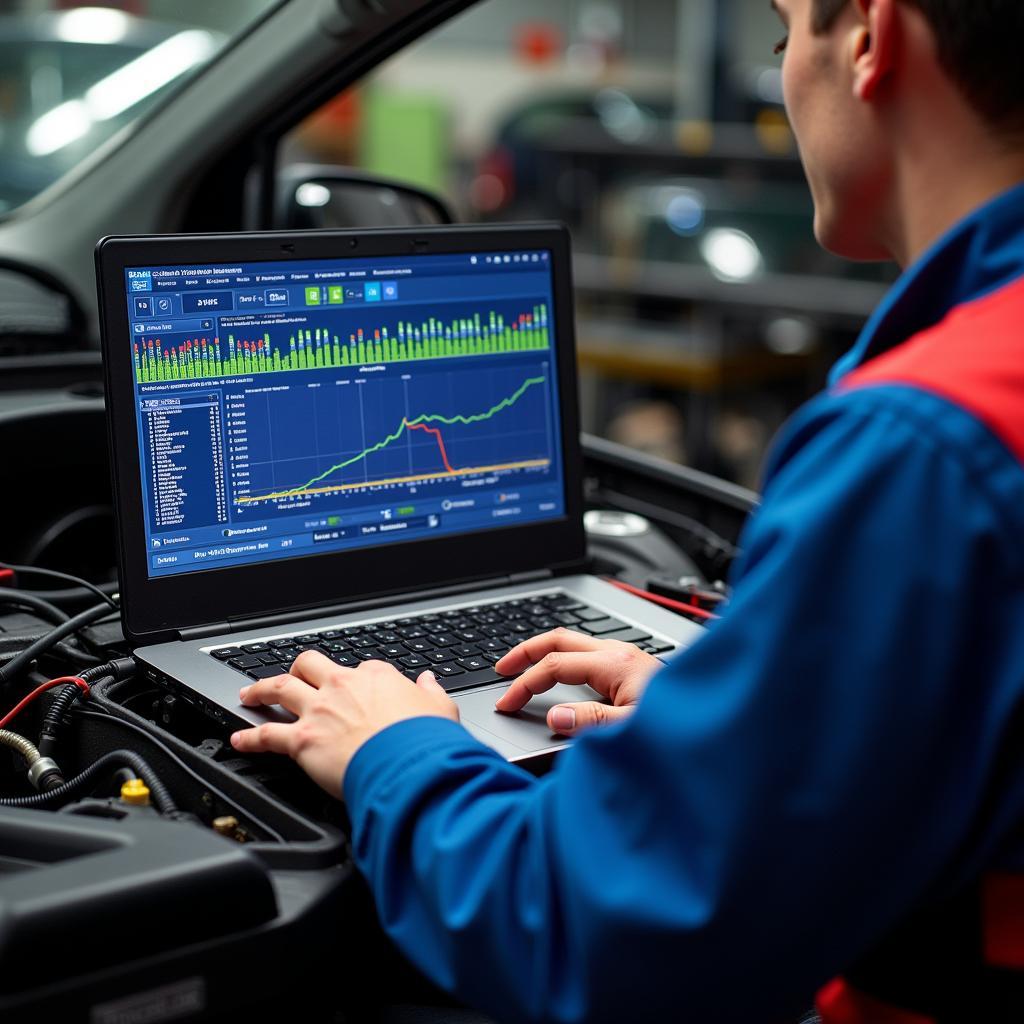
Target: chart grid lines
(404, 428)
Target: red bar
(1003, 920)
(838, 1003)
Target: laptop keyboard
(460, 646)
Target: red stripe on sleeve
(839, 1003)
(974, 358)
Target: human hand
(337, 710)
(617, 670)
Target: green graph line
(505, 403)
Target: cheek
(825, 139)
(810, 123)
(798, 84)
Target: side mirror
(323, 196)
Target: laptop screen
(291, 408)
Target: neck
(939, 177)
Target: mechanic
(825, 793)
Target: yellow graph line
(529, 464)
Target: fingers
(428, 681)
(314, 668)
(290, 693)
(529, 652)
(296, 691)
(569, 719)
(271, 737)
(574, 667)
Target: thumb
(427, 682)
(569, 719)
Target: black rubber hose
(19, 663)
(161, 797)
(34, 570)
(53, 720)
(72, 597)
(9, 650)
(119, 668)
(23, 599)
(123, 723)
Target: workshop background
(654, 128)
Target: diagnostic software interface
(285, 409)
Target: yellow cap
(135, 791)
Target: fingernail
(234, 738)
(430, 676)
(563, 719)
(242, 692)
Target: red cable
(665, 602)
(81, 683)
(440, 441)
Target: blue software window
(289, 408)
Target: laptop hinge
(265, 621)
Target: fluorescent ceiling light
(92, 25)
(119, 91)
(146, 74)
(58, 128)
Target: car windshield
(71, 76)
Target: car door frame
(187, 161)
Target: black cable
(72, 595)
(65, 696)
(53, 719)
(161, 796)
(21, 661)
(194, 775)
(16, 644)
(119, 668)
(9, 650)
(704, 534)
(24, 599)
(28, 570)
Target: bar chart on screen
(335, 340)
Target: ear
(873, 45)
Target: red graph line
(440, 441)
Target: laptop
(362, 443)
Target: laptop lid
(306, 420)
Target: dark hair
(979, 46)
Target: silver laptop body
(363, 443)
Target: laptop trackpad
(526, 730)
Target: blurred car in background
(509, 178)
(612, 126)
(71, 79)
(738, 228)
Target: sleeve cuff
(387, 754)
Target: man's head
(872, 85)
(978, 44)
